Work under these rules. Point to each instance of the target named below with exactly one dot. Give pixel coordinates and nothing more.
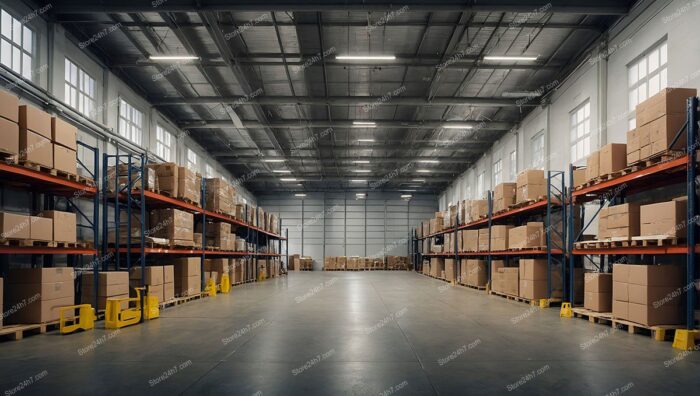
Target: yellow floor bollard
(565, 311)
(685, 339)
(210, 287)
(225, 284)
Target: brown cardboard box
(41, 228)
(187, 286)
(483, 240)
(667, 101)
(529, 235)
(499, 237)
(475, 272)
(219, 266)
(189, 185)
(65, 160)
(533, 269)
(40, 275)
(167, 174)
(511, 283)
(39, 311)
(632, 140)
(9, 136)
(504, 196)
(597, 282)
(168, 274)
(533, 289)
(41, 291)
(14, 226)
(657, 275)
(64, 225)
(437, 266)
(620, 291)
(33, 119)
(664, 218)
(645, 152)
(9, 106)
(598, 302)
(471, 240)
(593, 165)
(633, 157)
(579, 177)
(655, 295)
(531, 184)
(64, 133)
(450, 270)
(168, 291)
(46, 290)
(663, 130)
(613, 157)
(153, 275)
(621, 273)
(111, 283)
(173, 224)
(35, 148)
(603, 224)
(187, 267)
(478, 208)
(620, 309)
(666, 314)
(622, 221)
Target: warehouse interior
(349, 197)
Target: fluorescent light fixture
(299, 195)
(423, 171)
(365, 57)
(522, 94)
(457, 126)
(510, 58)
(273, 160)
(364, 124)
(289, 179)
(172, 57)
(406, 195)
(358, 181)
(365, 140)
(360, 194)
(429, 161)
(362, 170)
(360, 162)
(418, 180)
(282, 171)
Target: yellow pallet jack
(69, 322)
(116, 318)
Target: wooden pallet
(658, 158)
(188, 201)
(510, 297)
(473, 286)
(182, 300)
(35, 167)
(592, 316)
(17, 332)
(528, 248)
(657, 240)
(181, 243)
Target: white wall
(604, 83)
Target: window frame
(164, 149)
(513, 165)
(645, 81)
(191, 160)
(81, 97)
(498, 172)
(26, 71)
(537, 161)
(132, 128)
(481, 184)
(574, 124)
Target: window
(163, 143)
(130, 122)
(580, 131)
(16, 45)
(79, 89)
(497, 172)
(537, 149)
(209, 171)
(513, 165)
(468, 193)
(480, 188)
(647, 75)
(192, 160)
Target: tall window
(580, 125)
(537, 150)
(79, 90)
(497, 172)
(647, 75)
(513, 165)
(16, 45)
(209, 171)
(192, 160)
(130, 122)
(480, 187)
(163, 143)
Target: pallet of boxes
(48, 228)
(174, 225)
(159, 281)
(473, 273)
(188, 277)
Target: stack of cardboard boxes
(9, 123)
(111, 284)
(473, 272)
(619, 221)
(397, 262)
(609, 159)
(499, 237)
(533, 282)
(530, 235)
(63, 136)
(302, 263)
(470, 240)
(658, 119)
(478, 208)
(35, 295)
(330, 263)
(153, 278)
(598, 291)
(664, 219)
(648, 294)
(237, 268)
(483, 238)
(167, 178)
(504, 196)
(189, 185)
(531, 185)
(437, 267)
(188, 276)
(451, 271)
(220, 196)
(49, 225)
(220, 266)
(504, 279)
(35, 136)
(173, 224)
(118, 178)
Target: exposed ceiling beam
(589, 7)
(346, 150)
(345, 101)
(476, 125)
(372, 160)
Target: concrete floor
(349, 333)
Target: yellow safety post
(210, 287)
(685, 339)
(225, 286)
(544, 303)
(565, 311)
(84, 320)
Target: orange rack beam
(45, 250)
(678, 249)
(193, 252)
(496, 253)
(51, 183)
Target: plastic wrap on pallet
(172, 224)
(167, 176)
(189, 185)
(121, 173)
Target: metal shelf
(677, 249)
(523, 252)
(46, 250)
(46, 182)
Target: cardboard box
(64, 225)
(40, 275)
(478, 208)
(598, 302)
(593, 165)
(533, 289)
(187, 267)
(533, 269)
(168, 274)
(511, 283)
(111, 283)
(9, 137)
(663, 130)
(45, 290)
(35, 148)
(168, 291)
(40, 292)
(483, 240)
(40, 311)
(666, 314)
(621, 273)
(579, 177)
(531, 185)
(475, 272)
(499, 237)
(471, 240)
(33, 119)
(9, 106)
(526, 236)
(437, 266)
(632, 140)
(633, 157)
(664, 218)
(14, 226)
(172, 224)
(41, 228)
(65, 160)
(657, 275)
(667, 101)
(645, 152)
(219, 266)
(622, 221)
(620, 309)
(189, 185)
(597, 282)
(613, 157)
(188, 286)
(504, 196)
(167, 175)
(153, 275)
(450, 270)
(64, 133)
(655, 295)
